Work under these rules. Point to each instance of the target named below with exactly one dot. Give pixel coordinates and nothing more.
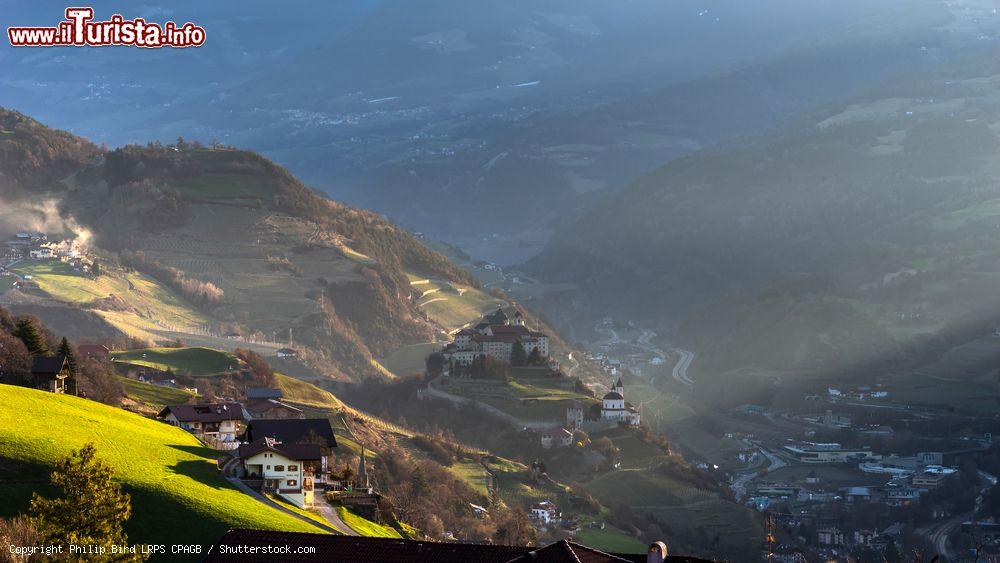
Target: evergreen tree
(29, 333)
(90, 511)
(66, 350)
(418, 483)
(518, 357)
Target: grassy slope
(154, 395)
(452, 305)
(526, 397)
(610, 540)
(411, 359)
(152, 301)
(177, 492)
(316, 517)
(365, 527)
(305, 393)
(195, 361)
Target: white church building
(614, 407)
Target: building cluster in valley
(496, 336)
(906, 464)
(907, 477)
(34, 245)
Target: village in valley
(821, 466)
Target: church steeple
(619, 387)
(361, 480)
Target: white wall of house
(546, 515)
(285, 475)
(228, 429)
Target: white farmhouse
(287, 470)
(220, 421)
(544, 512)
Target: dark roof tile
(263, 393)
(354, 549)
(360, 549)
(292, 430)
(42, 365)
(296, 452)
(205, 412)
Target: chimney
(657, 553)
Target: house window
(279, 467)
(268, 467)
(292, 483)
(293, 467)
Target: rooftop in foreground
(259, 545)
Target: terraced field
(411, 359)
(229, 247)
(141, 301)
(451, 305)
(681, 507)
(527, 398)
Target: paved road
(939, 533)
(679, 371)
(682, 365)
(680, 368)
(576, 365)
(739, 485)
(331, 516)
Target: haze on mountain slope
(493, 116)
(860, 239)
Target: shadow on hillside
(200, 451)
(14, 470)
(160, 518)
(204, 473)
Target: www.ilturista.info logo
(80, 30)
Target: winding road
(680, 369)
(682, 365)
(740, 484)
(939, 533)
